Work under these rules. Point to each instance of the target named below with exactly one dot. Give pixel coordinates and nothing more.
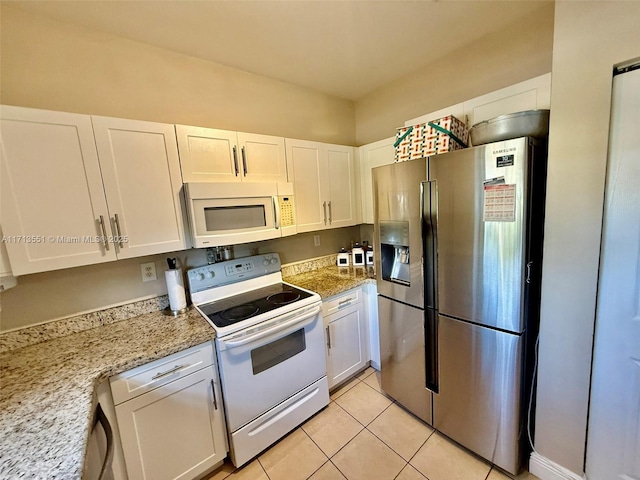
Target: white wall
(53, 65)
(516, 53)
(589, 39)
(58, 66)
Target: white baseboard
(545, 469)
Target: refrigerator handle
(429, 209)
(431, 349)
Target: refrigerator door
(398, 205)
(482, 196)
(402, 356)
(479, 403)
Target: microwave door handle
(276, 211)
(235, 159)
(304, 319)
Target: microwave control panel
(286, 211)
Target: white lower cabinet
(346, 335)
(177, 430)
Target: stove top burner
(241, 312)
(231, 310)
(283, 298)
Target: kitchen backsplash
(60, 328)
(304, 266)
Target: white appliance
(232, 213)
(270, 348)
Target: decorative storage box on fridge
(425, 139)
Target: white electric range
(270, 348)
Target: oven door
(227, 214)
(263, 366)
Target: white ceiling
(345, 48)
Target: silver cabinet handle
(213, 392)
(235, 160)
(324, 209)
(329, 212)
(346, 300)
(168, 372)
(244, 161)
(328, 337)
(104, 234)
(118, 233)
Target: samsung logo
(505, 150)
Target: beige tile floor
(363, 435)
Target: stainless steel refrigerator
(458, 275)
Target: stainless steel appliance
(270, 349)
(460, 242)
(229, 213)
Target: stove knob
(265, 262)
(200, 276)
(211, 274)
(273, 260)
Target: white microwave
(233, 213)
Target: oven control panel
(232, 271)
(238, 268)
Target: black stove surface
(237, 308)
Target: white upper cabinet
(262, 158)
(323, 176)
(341, 197)
(531, 94)
(373, 155)
(210, 155)
(55, 212)
(141, 174)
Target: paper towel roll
(175, 288)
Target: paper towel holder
(175, 313)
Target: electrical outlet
(316, 240)
(148, 271)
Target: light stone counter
(331, 280)
(47, 389)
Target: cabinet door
(346, 343)
(175, 431)
(208, 155)
(371, 156)
(262, 158)
(306, 166)
(341, 201)
(141, 174)
(51, 191)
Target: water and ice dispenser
(394, 252)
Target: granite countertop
(47, 390)
(332, 280)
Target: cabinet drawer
(341, 301)
(152, 375)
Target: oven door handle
(279, 327)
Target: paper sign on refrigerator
(499, 203)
